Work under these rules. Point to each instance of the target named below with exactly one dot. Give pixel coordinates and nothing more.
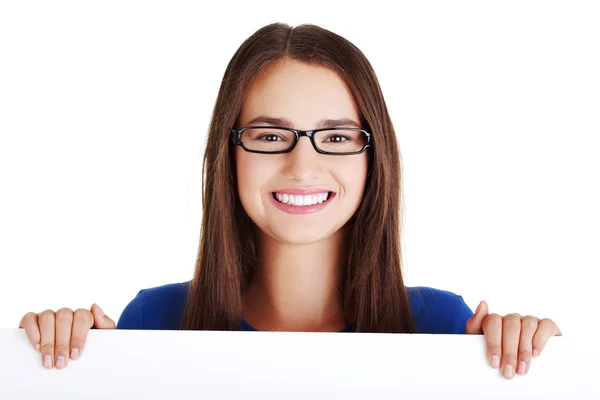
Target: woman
(299, 234)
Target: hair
(373, 294)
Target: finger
(492, 331)
(30, 323)
(474, 324)
(82, 322)
(46, 324)
(63, 322)
(529, 325)
(546, 329)
(101, 321)
(511, 333)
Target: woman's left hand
(511, 340)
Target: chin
(295, 236)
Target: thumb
(474, 324)
(101, 321)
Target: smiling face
(305, 95)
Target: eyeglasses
(276, 140)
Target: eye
(339, 138)
(270, 135)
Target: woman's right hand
(62, 334)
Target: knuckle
(529, 323)
(525, 355)
(82, 314)
(61, 349)
(494, 317)
(64, 310)
(493, 321)
(512, 323)
(546, 321)
(64, 314)
(494, 349)
(30, 315)
(47, 348)
(46, 314)
(512, 317)
(510, 358)
(46, 317)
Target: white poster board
(128, 364)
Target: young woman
(301, 216)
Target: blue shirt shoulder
(157, 308)
(435, 311)
(438, 311)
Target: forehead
(300, 92)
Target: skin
(300, 256)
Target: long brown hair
(373, 291)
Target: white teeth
(299, 200)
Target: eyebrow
(286, 123)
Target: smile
(302, 200)
(302, 204)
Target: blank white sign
(127, 364)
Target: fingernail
(508, 371)
(47, 361)
(100, 310)
(535, 353)
(37, 347)
(478, 307)
(60, 362)
(522, 367)
(495, 362)
(74, 353)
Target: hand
(54, 339)
(511, 340)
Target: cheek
(352, 175)
(253, 175)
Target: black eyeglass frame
(237, 133)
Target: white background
(104, 109)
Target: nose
(303, 160)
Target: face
(305, 95)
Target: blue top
(161, 308)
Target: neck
(297, 287)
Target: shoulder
(159, 307)
(438, 311)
